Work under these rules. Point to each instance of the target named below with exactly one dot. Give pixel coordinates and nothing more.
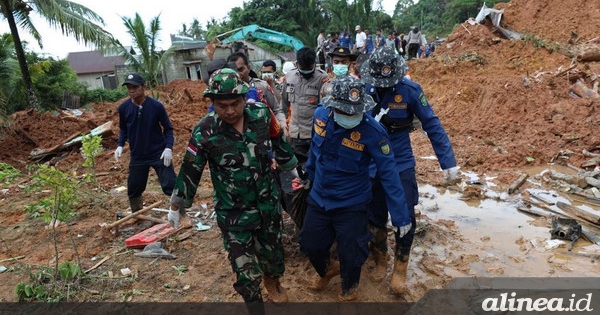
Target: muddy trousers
(138, 178)
(254, 252)
(378, 213)
(347, 227)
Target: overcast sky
(173, 14)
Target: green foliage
(91, 147)
(63, 187)
(54, 79)
(8, 173)
(180, 269)
(43, 287)
(103, 95)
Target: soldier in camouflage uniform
(238, 141)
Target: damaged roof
(93, 61)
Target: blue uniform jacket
(338, 165)
(149, 130)
(406, 100)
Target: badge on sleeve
(423, 99)
(385, 147)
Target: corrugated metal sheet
(93, 62)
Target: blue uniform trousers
(138, 176)
(378, 211)
(346, 226)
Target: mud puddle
(494, 238)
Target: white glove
(173, 218)
(403, 230)
(167, 156)
(118, 153)
(450, 174)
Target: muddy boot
(380, 269)
(256, 307)
(398, 282)
(321, 282)
(277, 293)
(136, 203)
(350, 295)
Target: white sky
(173, 14)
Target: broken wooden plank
(12, 258)
(131, 216)
(536, 212)
(591, 162)
(517, 183)
(571, 179)
(590, 234)
(103, 260)
(591, 217)
(40, 153)
(542, 199)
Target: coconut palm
(145, 57)
(71, 18)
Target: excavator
(258, 32)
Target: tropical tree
(71, 18)
(194, 30)
(8, 69)
(150, 60)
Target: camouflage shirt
(239, 163)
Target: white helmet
(287, 66)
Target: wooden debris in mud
(515, 186)
(578, 212)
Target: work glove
(167, 156)
(173, 218)
(118, 153)
(450, 174)
(403, 230)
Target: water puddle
(496, 239)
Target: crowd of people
(344, 135)
(412, 46)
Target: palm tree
(72, 18)
(150, 60)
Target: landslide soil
(506, 105)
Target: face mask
(268, 75)
(347, 121)
(307, 74)
(340, 70)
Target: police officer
(237, 140)
(301, 89)
(402, 99)
(344, 143)
(341, 58)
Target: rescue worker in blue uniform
(403, 99)
(344, 143)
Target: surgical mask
(307, 74)
(347, 121)
(268, 75)
(340, 70)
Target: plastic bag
(294, 195)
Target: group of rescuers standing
(347, 140)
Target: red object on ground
(150, 235)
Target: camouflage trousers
(253, 253)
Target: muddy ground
(507, 106)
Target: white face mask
(347, 121)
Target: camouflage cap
(348, 95)
(226, 82)
(384, 68)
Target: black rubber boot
(136, 203)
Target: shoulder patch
(423, 99)
(324, 79)
(385, 148)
